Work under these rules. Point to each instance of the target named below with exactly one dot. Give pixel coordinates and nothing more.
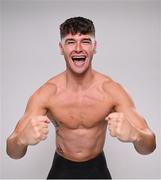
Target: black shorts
(66, 169)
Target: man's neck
(80, 81)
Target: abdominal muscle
(80, 144)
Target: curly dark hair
(77, 25)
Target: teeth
(80, 57)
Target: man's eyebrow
(84, 39)
(70, 39)
(87, 39)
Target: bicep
(35, 107)
(39, 102)
(125, 105)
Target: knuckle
(118, 130)
(46, 125)
(36, 129)
(33, 122)
(47, 131)
(37, 135)
(119, 123)
(113, 134)
(121, 115)
(44, 137)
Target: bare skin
(82, 104)
(79, 122)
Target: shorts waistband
(98, 160)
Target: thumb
(107, 118)
(45, 119)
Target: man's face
(78, 51)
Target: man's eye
(70, 42)
(86, 42)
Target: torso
(79, 118)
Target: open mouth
(79, 60)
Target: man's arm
(33, 126)
(126, 124)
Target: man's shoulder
(52, 84)
(107, 82)
(112, 87)
(117, 92)
(57, 78)
(101, 77)
(49, 88)
(109, 85)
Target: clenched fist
(119, 126)
(35, 130)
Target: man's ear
(61, 48)
(95, 46)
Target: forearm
(145, 142)
(15, 148)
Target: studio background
(128, 50)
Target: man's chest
(88, 110)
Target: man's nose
(78, 47)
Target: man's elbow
(147, 147)
(14, 156)
(11, 151)
(152, 140)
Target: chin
(80, 72)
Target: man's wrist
(137, 136)
(20, 141)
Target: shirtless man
(82, 104)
